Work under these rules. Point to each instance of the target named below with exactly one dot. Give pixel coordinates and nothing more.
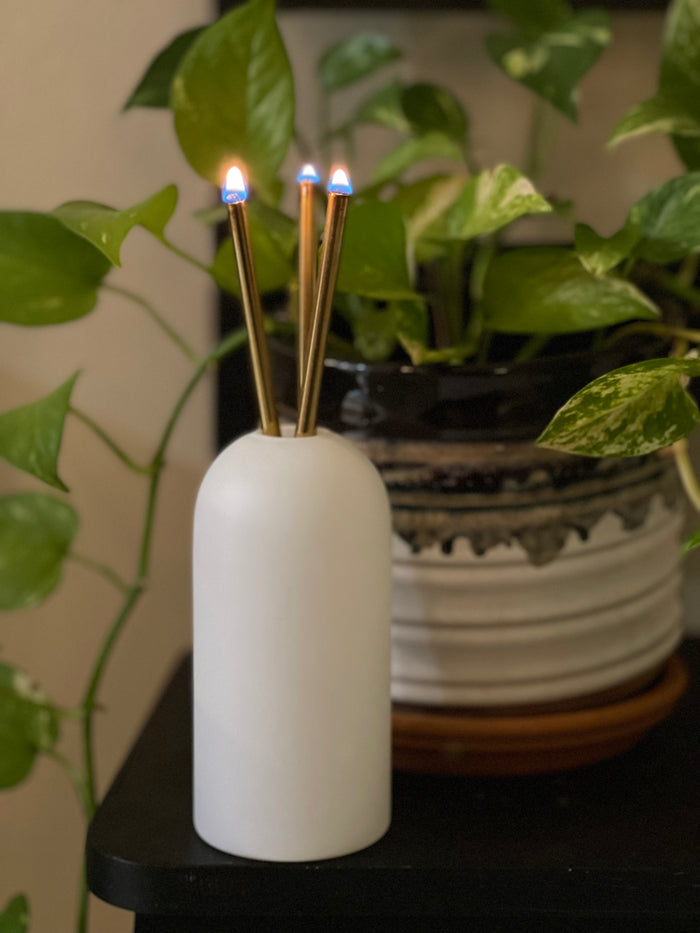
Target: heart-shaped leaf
(490, 200)
(233, 97)
(30, 436)
(659, 114)
(601, 254)
(373, 260)
(273, 238)
(355, 58)
(666, 219)
(423, 205)
(48, 275)
(674, 109)
(28, 725)
(153, 90)
(15, 916)
(106, 228)
(383, 107)
(36, 532)
(628, 412)
(411, 151)
(433, 109)
(553, 62)
(546, 290)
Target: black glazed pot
(473, 402)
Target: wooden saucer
(468, 743)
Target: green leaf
(535, 16)
(688, 149)
(153, 90)
(383, 107)
(28, 725)
(375, 334)
(233, 97)
(553, 62)
(36, 532)
(666, 219)
(430, 108)
(355, 58)
(691, 542)
(546, 290)
(674, 109)
(422, 202)
(30, 436)
(15, 916)
(659, 114)
(628, 412)
(273, 238)
(209, 216)
(680, 62)
(492, 199)
(373, 260)
(601, 254)
(411, 151)
(106, 227)
(48, 275)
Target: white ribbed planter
(523, 576)
(494, 630)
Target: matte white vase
(292, 607)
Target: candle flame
(235, 188)
(339, 183)
(308, 173)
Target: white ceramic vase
(292, 605)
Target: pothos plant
(424, 274)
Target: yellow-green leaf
(29, 725)
(106, 227)
(628, 412)
(48, 274)
(233, 96)
(36, 532)
(15, 916)
(30, 436)
(546, 290)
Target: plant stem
(227, 346)
(532, 347)
(686, 472)
(539, 138)
(188, 257)
(100, 568)
(75, 777)
(157, 318)
(113, 446)
(689, 269)
(449, 322)
(675, 286)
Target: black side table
(613, 847)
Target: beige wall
(65, 68)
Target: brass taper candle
(234, 195)
(339, 191)
(308, 251)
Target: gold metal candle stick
(308, 248)
(234, 195)
(339, 191)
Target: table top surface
(618, 838)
